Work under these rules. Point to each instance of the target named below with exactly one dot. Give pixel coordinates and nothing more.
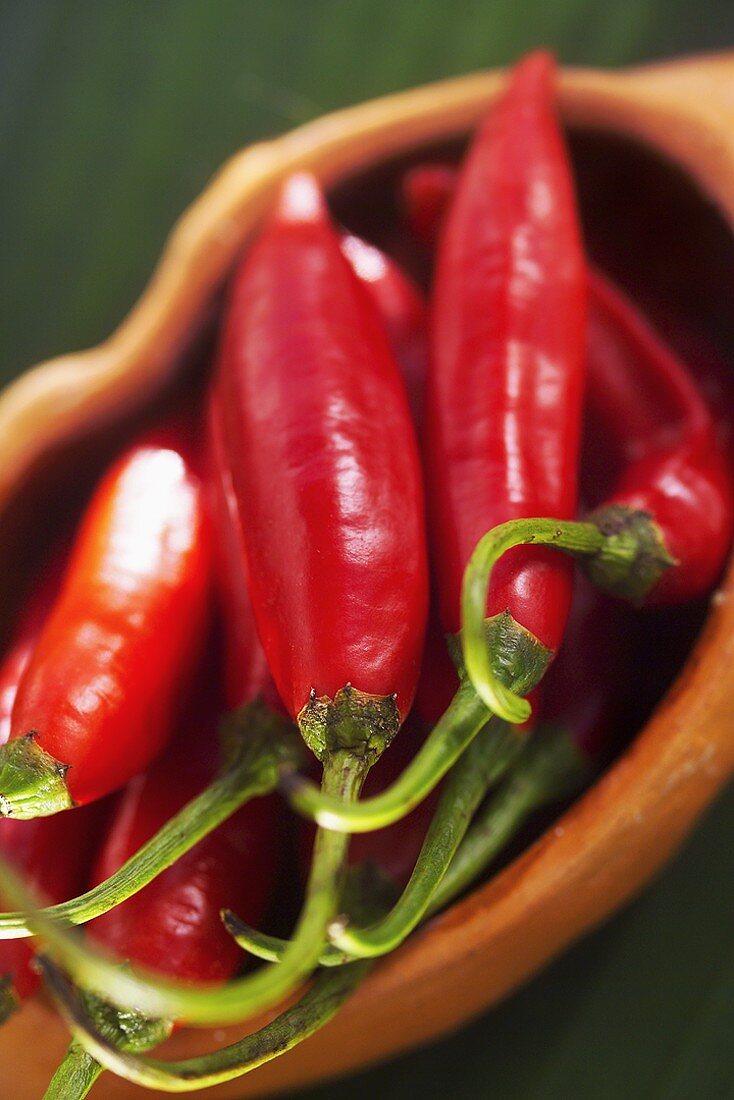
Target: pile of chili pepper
(258, 568)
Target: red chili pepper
(675, 471)
(704, 361)
(427, 190)
(711, 370)
(96, 703)
(402, 310)
(657, 426)
(663, 534)
(438, 680)
(173, 925)
(24, 640)
(503, 416)
(324, 467)
(506, 379)
(403, 313)
(583, 691)
(246, 669)
(54, 856)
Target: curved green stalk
(116, 1035)
(261, 746)
(623, 553)
(484, 762)
(317, 1006)
(497, 696)
(549, 769)
(272, 948)
(125, 1031)
(456, 729)
(520, 661)
(486, 759)
(152, 996)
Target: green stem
(75, 1076)
(272, 948)
(497, 696)
(124, 1031)
(114, 1036)
(486, 759)
(155, 997)
(318, 1005)
(520, 662)
(624, 553)
(546, 768)
(261, 747)
(453, 733)
(550, 768)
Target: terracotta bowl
(676, 123)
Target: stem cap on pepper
(32, 783)
(630, 581)
(353, 720)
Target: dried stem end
(633, 579)
(353, 721)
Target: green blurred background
(113, 115)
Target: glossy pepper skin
(246, 669)
(670, 450)
(53, 854)
(403, 313)
(324, 465)
(173, 925)
(675, 469)
(101, 689)
(506, 373)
